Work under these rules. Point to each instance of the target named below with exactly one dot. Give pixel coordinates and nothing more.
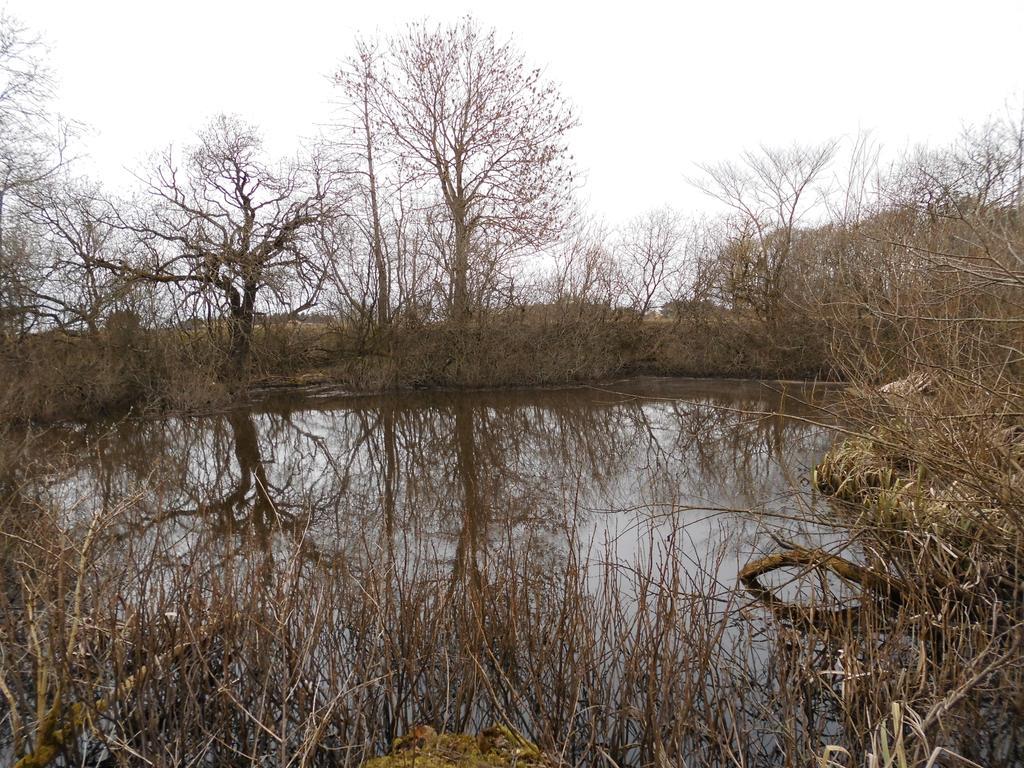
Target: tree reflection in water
(563, 559)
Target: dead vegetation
(929, 477)
(246, 654)
(272, 626)
(56, 376)
(246, 649)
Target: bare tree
(32, 141)
(650, 256)
(31, 136)
(357, 80)
(70, 233)
(229, 228)
(584, 276)
(462, 111)
(770, 193)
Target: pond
(316, 575)
(441, 469)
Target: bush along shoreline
(56, 376)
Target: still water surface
(562, 559)
(450, 473)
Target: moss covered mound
(497, 747)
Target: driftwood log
(882, 586)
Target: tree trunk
(241, 322)
(460, 272)
(383, 278)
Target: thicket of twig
(55, 376)
(118, 649)
(933, 485)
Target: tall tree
(67, 226)
(32, 141)
(357, 81)
(464, 113)
(650, 254)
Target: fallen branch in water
(883, 585)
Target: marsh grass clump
(930, 485)
(855, 472)
(939, 475)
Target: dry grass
(57, 376)
(122, 645)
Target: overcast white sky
(658, 87)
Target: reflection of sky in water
(444, 498)
(663, 463)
